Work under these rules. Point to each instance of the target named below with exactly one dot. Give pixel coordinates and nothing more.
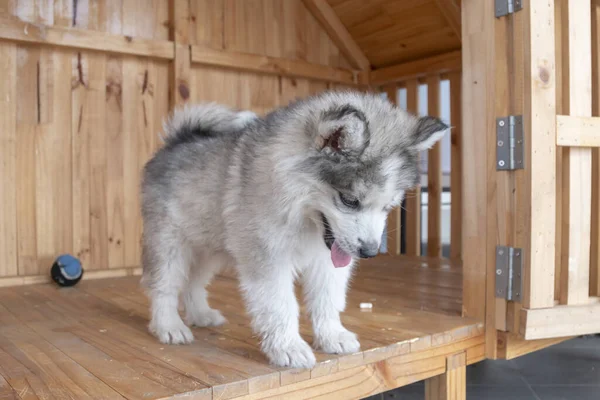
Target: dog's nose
(368, 250)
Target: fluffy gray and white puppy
(299, 193)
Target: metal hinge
(509, 267)
(509, 143)
(505, 7)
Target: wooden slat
(413, 197)
(439, 64)
(577, 131)
(14, 29)
(540, 130)
(478, 129)
(270, 65)
(455, 165)
(434, 176)
(595, 225)
(451, 12)
(394, 233)
(452, 385)
(560, 321)
(8, 159)
(575, 289)
(338, 33)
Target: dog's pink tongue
(339, 257)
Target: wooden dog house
(86, 84)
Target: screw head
(501, 252)
(501, 123)
(500, 143)
(498, 271)
(501, 163)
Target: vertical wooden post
(595, 240)
(478, 129)
(434, 176)
(455, 166)
(451, 385)
(540, 151)
(181, 91)
(394, 234)
(413, 198)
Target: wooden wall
(80, 111)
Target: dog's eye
(349, 201)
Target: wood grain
(456, 168)
(579, 161)
(338, 32)
(434, 175)
(540, 111)
(595, 224)
(438, 64)
(8, 153)
(97, 333)
(413, 197)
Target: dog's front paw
(172, 332)
(297, 354)
(337, 342)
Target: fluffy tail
(203, 120)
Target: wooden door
(556, 208)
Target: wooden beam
(451, 11)
(577, 131)
(560, 321)
(439, 64)
(271, 65)
(338, 33)
(413, 197)
(434, 175)
(511, 345)
(451, 385)
(19, 31)
(7, 281)
(394, 235)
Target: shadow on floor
(567, 371)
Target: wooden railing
(409, 222)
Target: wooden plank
(579, 162)
(338, 33)
(394, 233)
(434, 176)
(115, 187)
(478, 117)
(413, 197)
(439, 64)
(455, 165)
(577, 131)
(511, 345)
(181, 89)
(24, 32)
(89, 274)
(560, 321)
(8, 159)
(595, 225)
(452, 385)
(450, 9)
(540, 129)
(270, 65)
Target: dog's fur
(270, 196)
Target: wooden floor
(91, 341)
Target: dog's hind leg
(197, 310)
(166, 263)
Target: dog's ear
(427, 132)
(342, 131)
